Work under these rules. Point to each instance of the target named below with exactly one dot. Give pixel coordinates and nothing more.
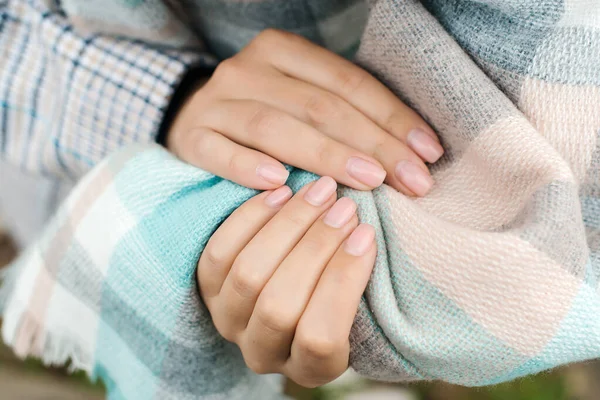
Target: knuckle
(274, 317)
(296, 220)
(245, 281)
(318, 347)
(350, 80)
(325, 151)
(214, 256)
(316, 243)
(272, 36)
(309, 381)
(179, 141)
(224, 328)
(322, 108)
(269, 39)
(204, 144)
(235, 164)
(265, 39)
(381, 148)
(258, 366)
(391, 122)
(262, 123)
(268, 34)
(228, 70)
(244, 216)
(343, 277)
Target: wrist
(191, 82)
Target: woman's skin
(283, 276)
(283, 279)
(284, 99)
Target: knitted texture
(81, 78)
(492, 276)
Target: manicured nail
(424, 145)
(321, 191)
(431, 133)
(278, 197)
(413, 177)
(341, 212)
(360, 240)
(272, 173)
(366, 172)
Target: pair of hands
(283, 276)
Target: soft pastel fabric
(492, 276)
(82, 78)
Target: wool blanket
(494, 275)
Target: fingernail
(278, 197)
(366, 172)
(413, 177)
(424, 145)
(272, 173)
(321, 191)
(431, 133)
(341, 212)
(360, 240)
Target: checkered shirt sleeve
(67, 99)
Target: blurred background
(29, 380)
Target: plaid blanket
(492, 276)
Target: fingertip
(368, 173)
(273, 173)
(428, 130)
(360, 241)
(425, 144)
(414, 177)
(278, 197)
(340, 213)
(321, 191)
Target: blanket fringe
(8, 277)
(22, 332)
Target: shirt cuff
(185, 88)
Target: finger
(299, 58)
(270, 330)
(320, 347)
(274, 132)
(233, 235)
(255, 265)
(334, 117)
(216, 154)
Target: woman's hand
(283, 278)
(285, 99)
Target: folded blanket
(492, 276)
